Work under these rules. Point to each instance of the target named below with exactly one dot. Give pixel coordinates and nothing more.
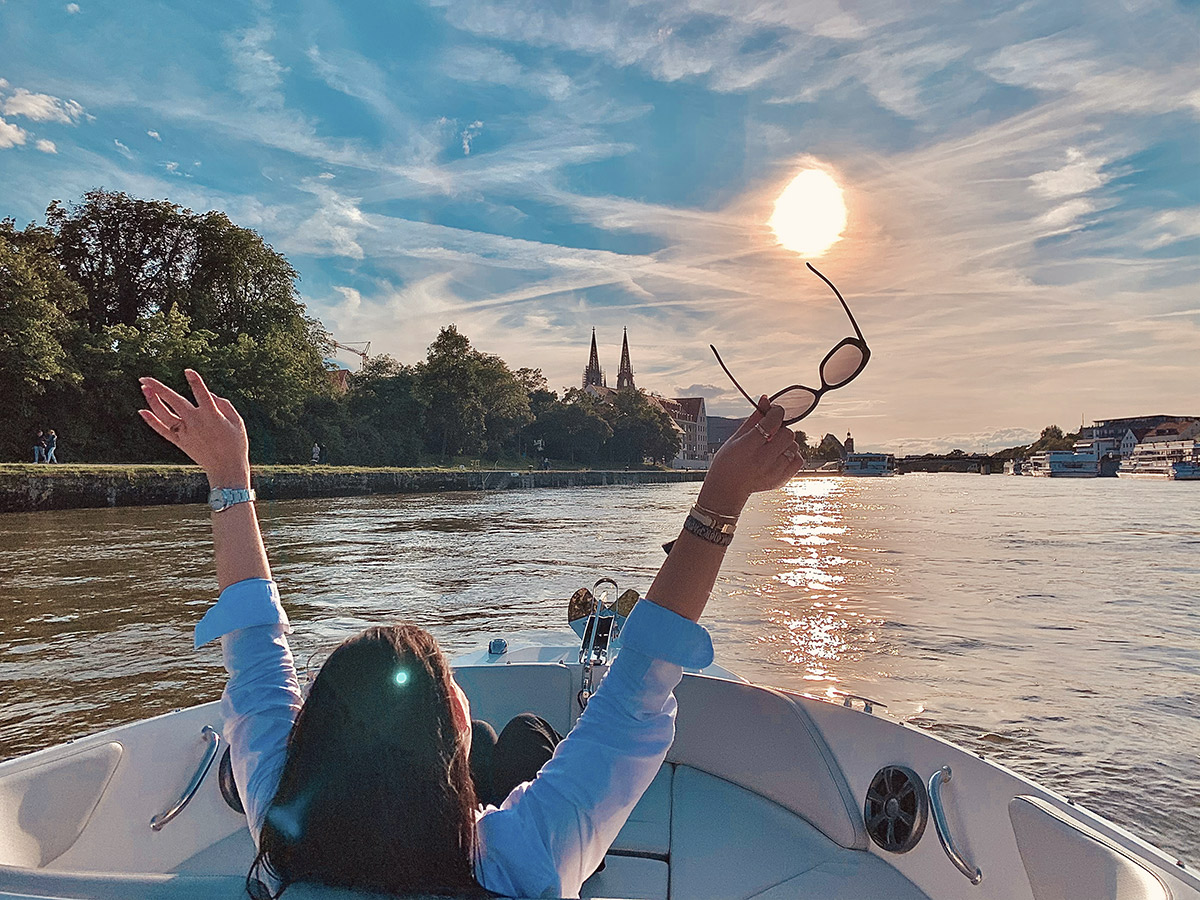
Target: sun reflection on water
(817, 623)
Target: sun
(810, 214)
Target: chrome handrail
(940, 777)
(214, 742)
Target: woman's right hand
(761, 455)
(210, 431)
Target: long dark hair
(376, 791)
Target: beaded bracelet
(707, 532)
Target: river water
(1051, 625)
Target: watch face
(216, 500)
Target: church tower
(849, 445)
(593, 375)
(625, 376)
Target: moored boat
(1163, 460)
(765, 793)
(869, 464)
(1063, 464)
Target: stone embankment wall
(35, 488)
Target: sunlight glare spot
(810, 214)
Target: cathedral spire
(593, 374)
(625, 376)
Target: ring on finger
(758, 427)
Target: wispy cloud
(46, 146)
(72, 8)
(1014, 177)
(41, 107)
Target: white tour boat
(1169, 460)
(765, 793)
(869, 464)
(1063, 464)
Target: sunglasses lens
(841, 365)
(796, 402)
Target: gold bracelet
(719, 523)
(706, 532)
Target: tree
(640, 430)
(474, 401)
(385, 414)
(573, 428)
(36, 299)
(1052, 438)
(131, 257)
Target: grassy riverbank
(29, 487)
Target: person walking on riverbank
(51, 444)
(39, 447)
(366, 783)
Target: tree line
(113, 287)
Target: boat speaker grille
(896, 809)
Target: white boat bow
(765, 793)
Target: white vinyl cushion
(1066, 860)
(44, 809)
(730, 844)
(763, 740)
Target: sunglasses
(840, 366)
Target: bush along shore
(34, 488)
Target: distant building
(338, 375)
(625, 375)
(849, 445)
(1118, 437)
(693, 422)
(593, 375)
(1183, 429)
(720, 429)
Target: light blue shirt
(549, 834)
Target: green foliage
(115, 287)
(574, 428)
(640, 430)
(474, 403)
(1052, 438)
(36, 300)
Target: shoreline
(29, 487)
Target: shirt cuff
(659, 633)
(254, 601)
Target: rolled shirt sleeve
(262, 696)
(549, 835)
(254, 601)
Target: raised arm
(761, 455)
(549, 835)
(262, 696)
(212, 433)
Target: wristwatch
(220, 499)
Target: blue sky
(1022, 181)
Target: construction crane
(366, 348)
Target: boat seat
(498, 693)
(730, 844)
(766, 742)
(44, 808)
(1066, 860)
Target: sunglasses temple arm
(845, 305)
(734, 380)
